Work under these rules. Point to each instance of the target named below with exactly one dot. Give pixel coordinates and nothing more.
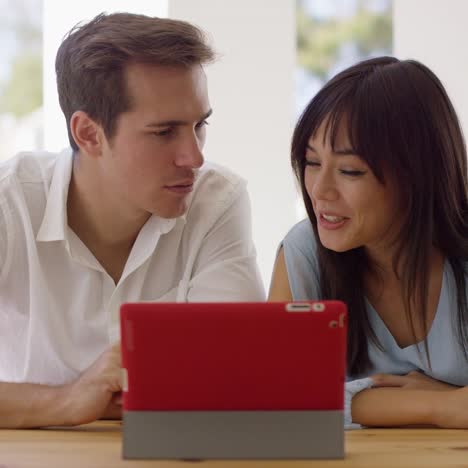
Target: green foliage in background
(21, 93)
(319, 41)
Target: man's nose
(190, 152)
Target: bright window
(334, 34)
(21, 122)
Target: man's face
(150, 163)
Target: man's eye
(164, 132)
(202, 124)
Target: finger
(117, 398)
(115, 411)
(389, 380)
(418, 375)
(118, 353)
(114, 380)
(112, 411)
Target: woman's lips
(331, 221)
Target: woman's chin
(338, 247)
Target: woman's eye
(352, 173)
(312, 163)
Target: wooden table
(98, 445)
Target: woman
(381, 161)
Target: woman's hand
(451, 410)
(413, 380)
(414, 403)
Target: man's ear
(88, 135)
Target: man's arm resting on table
(30, 405)
(391, 407)
(88, 398)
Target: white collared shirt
(59, 309)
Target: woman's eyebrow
(346, 152)
(341, 152)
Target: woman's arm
(414, 380)
(391, 407)
(422, 404)
(279, 288)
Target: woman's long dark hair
(401, 122)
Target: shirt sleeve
(352, 388)
(4, 236)
(226, 268)
(300, 256)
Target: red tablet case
(234, 356)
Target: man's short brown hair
(91, 61)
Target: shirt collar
(54, 223)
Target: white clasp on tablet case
(298, 307)
(305, 307)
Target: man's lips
(185, 186)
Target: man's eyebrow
(174, 123)
(341, 152)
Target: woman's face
(352, 207)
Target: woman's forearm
(390, 407)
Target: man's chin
(171, 212)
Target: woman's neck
(385, 272)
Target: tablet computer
(233, 380)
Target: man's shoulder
(25, 182)
(216, 190)
(217, 184)
(28, 167)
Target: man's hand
(91, 396)
(413, 380)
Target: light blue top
(448, 363)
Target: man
(130, 214)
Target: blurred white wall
(19, 134)
(252, 94)
(435, 32)
(252, 84)
(251, 90)
(59, 17)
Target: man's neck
(100, 221)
